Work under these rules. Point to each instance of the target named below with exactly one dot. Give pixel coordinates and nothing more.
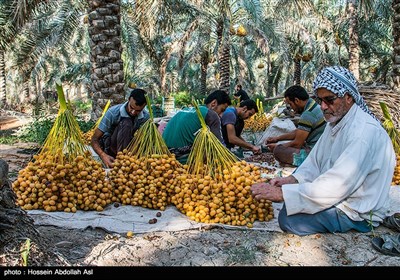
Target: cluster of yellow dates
(79, 184)
(152, 182)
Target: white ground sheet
(133, 218)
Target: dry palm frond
(208, 155)
(374, 93)
(390, 127)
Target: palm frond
(389, 126)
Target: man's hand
(279, 181)
(108, 160)
(256, 150)
(267, 191)
(271, 146)
(271, 140)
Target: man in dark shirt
(232, 122)
(241, 94)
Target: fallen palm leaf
(25, 249)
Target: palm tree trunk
(354, 48)
(396, 43)
(203, 72)
(3, 94)
(26, 94)
(224, 50)
(163, 71)
(163, 75)
(224, 66)
(297, 71)
(107, 76)
(274, 76)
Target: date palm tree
(13, 15)
(107, 76)
(396, 43)
(49, 44)
(354, 47)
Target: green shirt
(182, 128)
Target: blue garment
(119, 127)
(330, 220)
(114, 115)
(230, 116)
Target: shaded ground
(216, 247)
(212, 246)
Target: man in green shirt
(180, 131)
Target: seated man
(344, 182)
(309, 129)
(240, 94)
(180, 131)
(118, 125)
(232, 122)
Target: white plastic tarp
(134, 218)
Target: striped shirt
(312, 120)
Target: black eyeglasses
(327, 100)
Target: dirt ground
(215, 247)
(210, 246)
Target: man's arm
(287, 136)
(299, 139)
(234, 140)
(95, 142)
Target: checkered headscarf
(339, 81)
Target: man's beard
(335, 117)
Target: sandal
(387, 244)
(392, 222)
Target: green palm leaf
(389, 126)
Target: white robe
(351, 167)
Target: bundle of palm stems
(145, 173)
(259, 121)
(87, 136)
(63, 176)
(208, 155)
(217, 186)
(390, 127)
